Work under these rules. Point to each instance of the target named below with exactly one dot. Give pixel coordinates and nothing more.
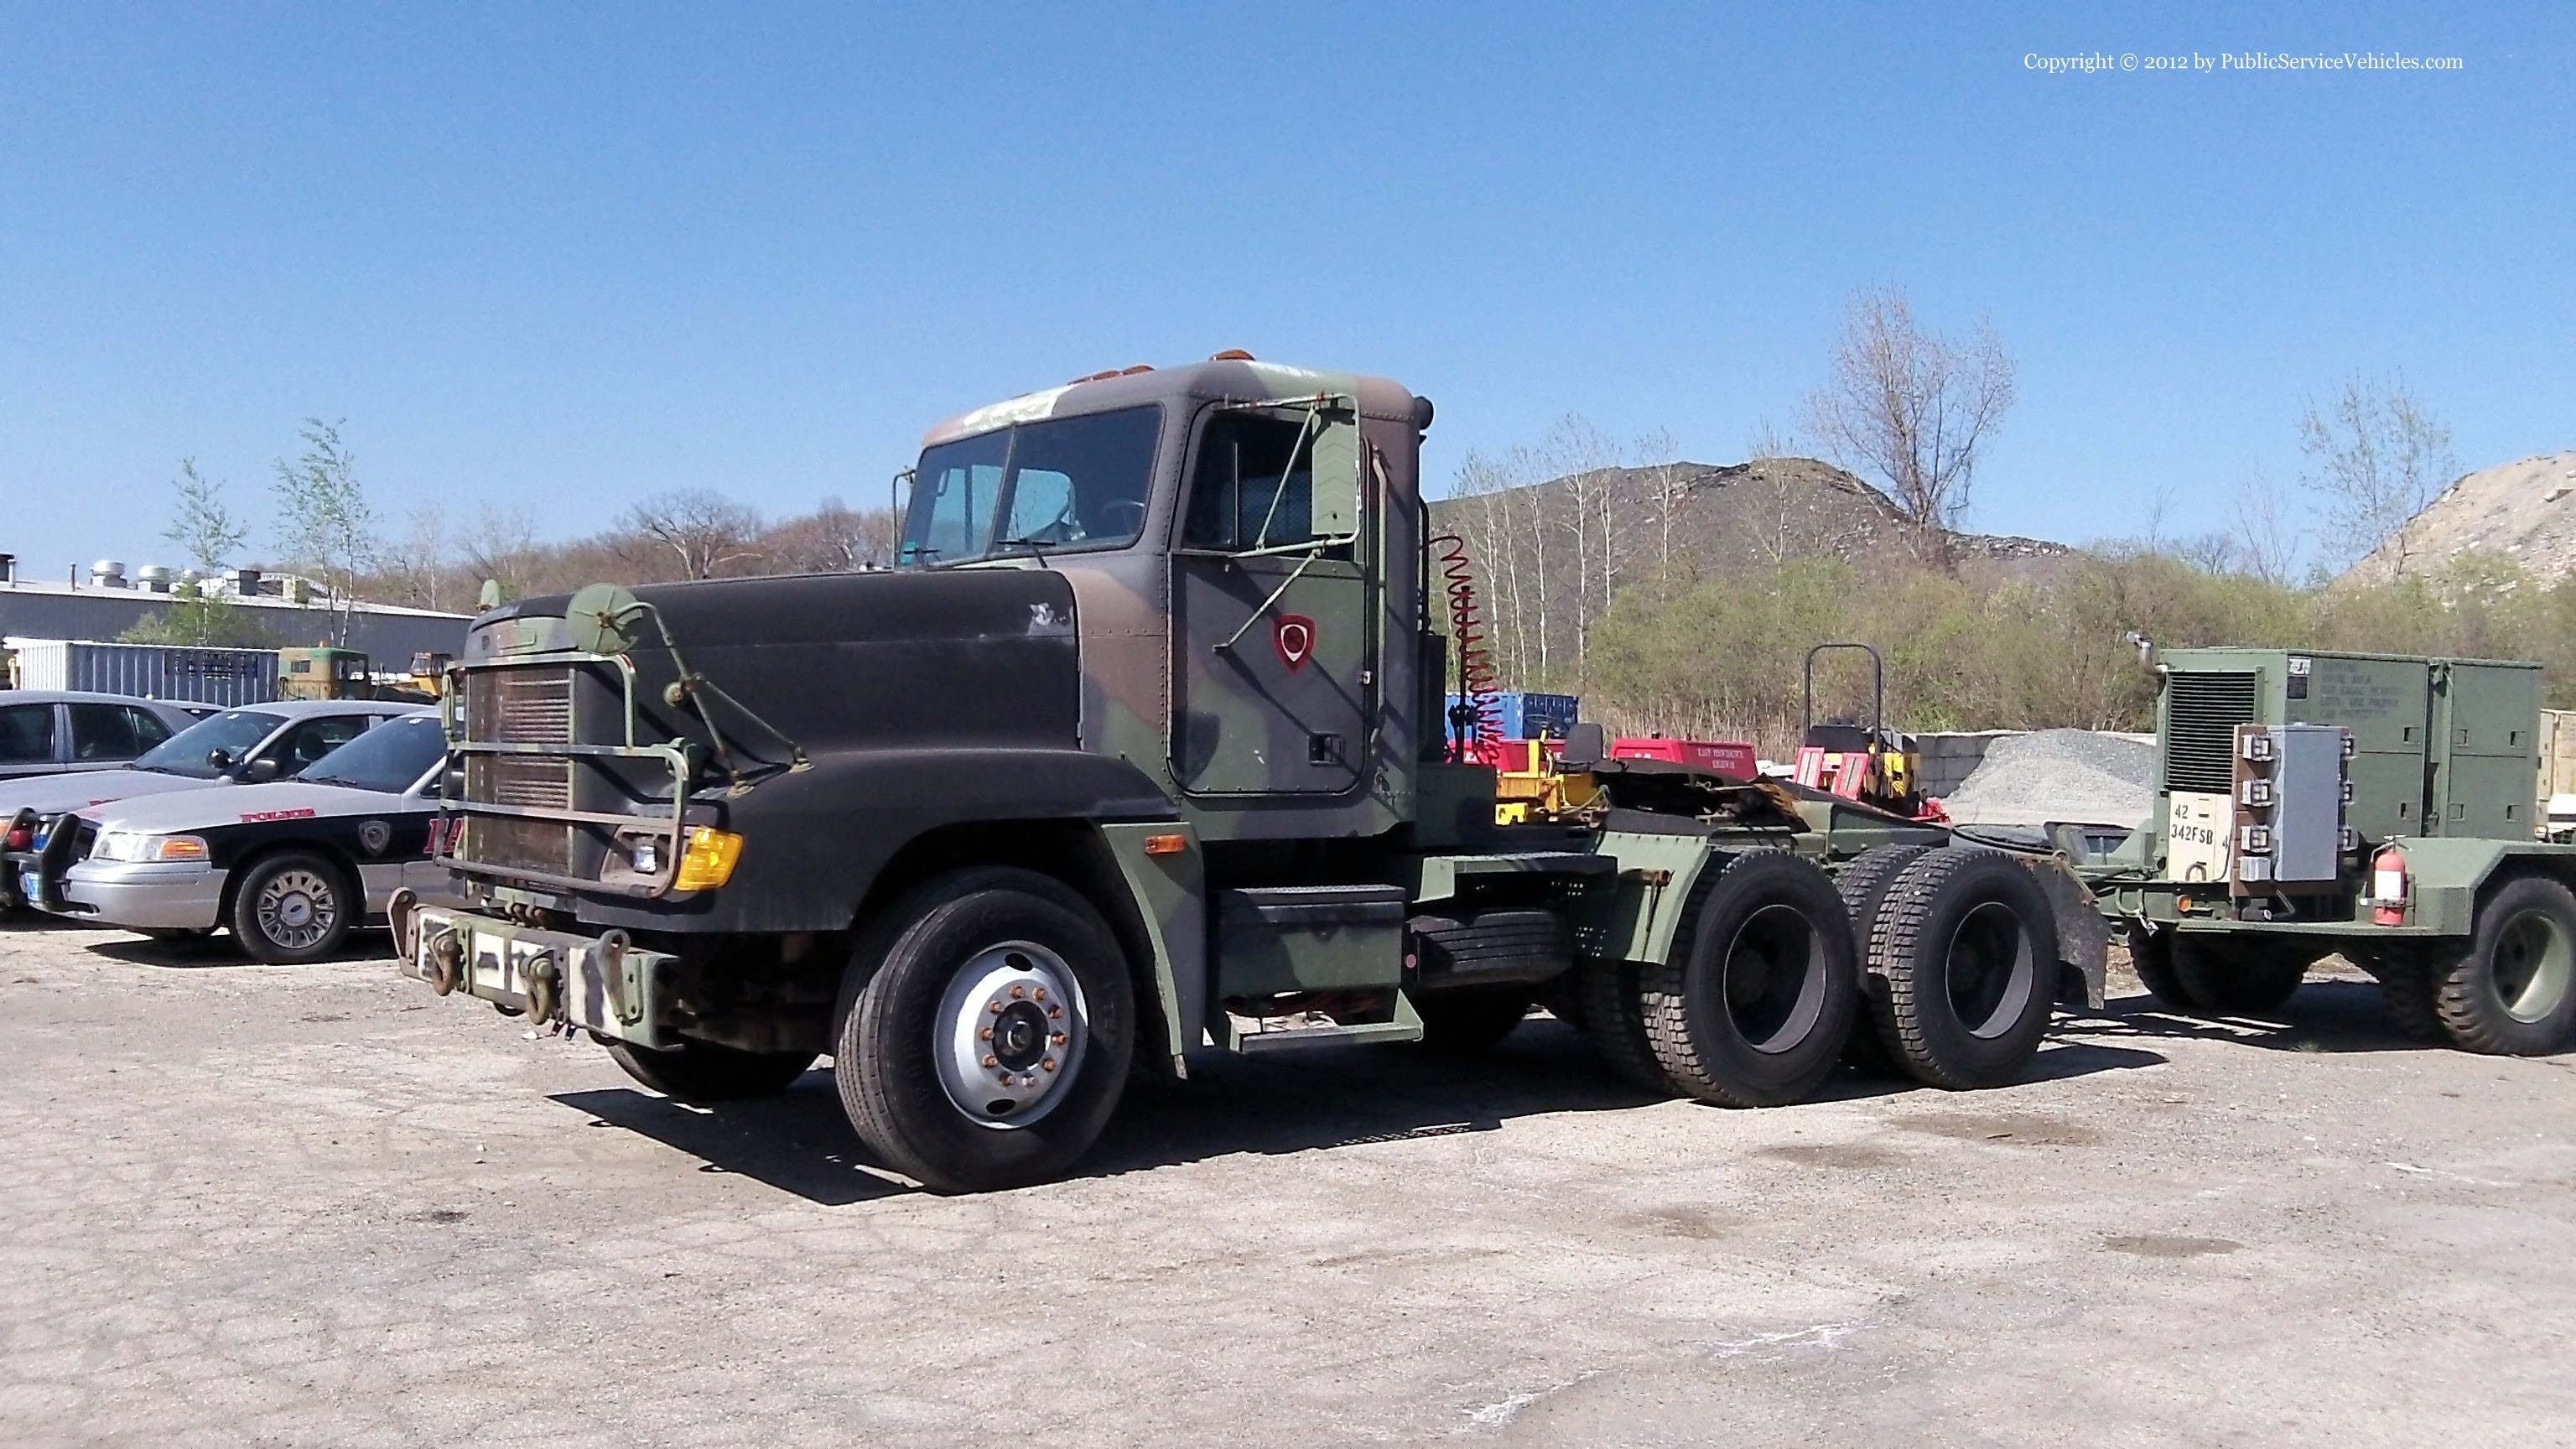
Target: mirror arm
(1255, 615)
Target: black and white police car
(292, 867)
(249, 745)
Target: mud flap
(2083, 935)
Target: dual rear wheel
(1940, 964)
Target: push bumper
(593, 983)
(144, 897)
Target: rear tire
(2406, 985)
(2250, 978)
(1863, 884)
(1755, 1004)
(2512, 991)
(1611, 1016)
(294, 908)
(1465, 1022)
(698, 1071)
(2151, 954)
(1967, 945)
(999, 971)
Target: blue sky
(569, 256)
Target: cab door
(1274, 689)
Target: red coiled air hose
(1476, 674)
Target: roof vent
(1232, 354)
(153, 577)
(107, 573)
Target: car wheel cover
(296, 909)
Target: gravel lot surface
(316, 1206)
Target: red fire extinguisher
(2388, 886)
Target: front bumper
(595, 983)
(144, 897)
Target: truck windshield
(192, 751)
(1061, 485)
(391, 757)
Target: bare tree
(503, 547)
(703, 530)
(329, 526)
(2267, 536)
(2376, 457)
(1668, 482)
(1913, 409)
(834, 538)
(419, 563)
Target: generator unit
(2438, 747)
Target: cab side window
(1253, 482)
(27, 734)
(112, 732)
(308, 742)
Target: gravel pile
(2059, 775)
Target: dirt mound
(2525, 511)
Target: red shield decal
(1294, 637)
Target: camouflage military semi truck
(1141, 759)
(2380, 806)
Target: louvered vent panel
(2202, 712)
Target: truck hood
(53, 794)
(175, 814)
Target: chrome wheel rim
(296, 909)
(1009, 1035)
(2534, 962)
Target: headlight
(133, 846)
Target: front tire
(2512, 992)
(699, 1071)
(294, 909)
(1755, 1004)
(989, 1034)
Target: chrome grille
(2202, 712)
(528, 705)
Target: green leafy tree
(205, 531)
(328, 525)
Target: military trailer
(2378, 806)
(1141, 759)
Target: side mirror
(451, 786)
(261, 771)
(1336, 471)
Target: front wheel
(2512, 992)
(700, 1071)
(989, 1033)
(294, 908)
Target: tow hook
(398, 920)
(544, 987)
(446, 960)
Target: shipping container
(1529, 716)
(150, 671)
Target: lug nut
(991, 1061)
(1041, 993)
(1049, 1064)
(985, 1035)
(995, 1008)
(1056, 1040)
(1018, 991)
(1054, 1011)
